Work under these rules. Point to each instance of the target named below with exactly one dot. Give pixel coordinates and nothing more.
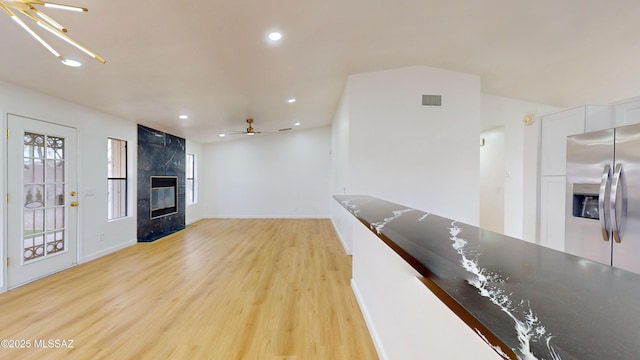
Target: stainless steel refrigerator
(603, 197)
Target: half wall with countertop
(526, 301)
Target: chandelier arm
(31, 32)
(48, 19)
(17, 4)
(6, 9)
(60, 6)
(64, 37)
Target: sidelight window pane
(191, 179)
(116, 178)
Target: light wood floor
(221, 289)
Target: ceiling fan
(250, 130)
(27, 8)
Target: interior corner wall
(284, 175)
(421, 156)
(521, 160)
(342, 220)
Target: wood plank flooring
(221, 289)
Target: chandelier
(27, 8)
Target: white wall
(419, 156)
(97, 236)
(521, 160)
(492, 175)
(268, 176)
(195, 212)
(342, 220)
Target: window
(117, 178)
(191, 179)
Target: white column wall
(421, 156)
(342, 220)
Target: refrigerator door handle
(615, 185)
(604, 184)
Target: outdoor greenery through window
(191, 179)
(117, 178)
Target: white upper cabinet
(557, 126)
(555, 129)
(627, 113)
(598, 117)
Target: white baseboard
(263, 216)
(193, 221)
(367, 319)
(104, 252)
(347, 249)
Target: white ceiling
(211, 59)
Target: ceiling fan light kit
(28, 9)
(250, 130)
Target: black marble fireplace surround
(160, 155)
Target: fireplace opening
(164, 196)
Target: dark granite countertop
(538, 302)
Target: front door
(42, 199)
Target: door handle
(615, 185)
(74, 203)
(604, 187)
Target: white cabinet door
(627, 113)
(555, 129)
(598, 117)
(552, 203)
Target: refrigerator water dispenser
(585, 201)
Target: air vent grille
(432, 100)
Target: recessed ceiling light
(291, 100)
(222, 134)
(275, 36)
(72, 62)
(184, 117)
(296, 123)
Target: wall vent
(432, 100)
